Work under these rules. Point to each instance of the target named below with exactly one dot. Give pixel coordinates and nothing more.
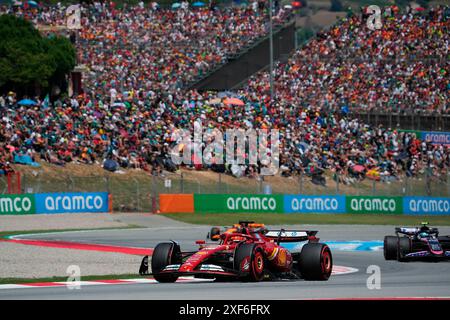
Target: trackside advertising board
(377, 205)
(314, 204)
(17, 204)
(229, 203)
(73, 202)
(174, 203)
(291, 204)
(426, 206)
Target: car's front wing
(205, 270)
(427, 254)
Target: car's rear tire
(249, 262)
(390, 247)
(315, 262)
(164, 254)
(404, 247)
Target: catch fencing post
(182, 183)
(261, 181)
(39, 182)
(110, 203)
(137, 194)
(22, 185)
(300, 182)
(337, 182)
(153, 194)
(8, 176)
(11, 188)
(448, 184)
(71, 183)
(405, 187)
(226, 188)
(19, 188)
(107, 183)
(428, 181)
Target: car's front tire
(164, 254)
(249, 262)
(315, 262)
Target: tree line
(31, 64)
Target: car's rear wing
(290, 235)
(413, 230)
(407, 230)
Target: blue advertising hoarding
(314, 204)
(73, 202)
(95, 202)
(426, 206)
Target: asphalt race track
(411, 279)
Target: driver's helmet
(423, 234)
(237, 238)
(232, 230)
(423, 231)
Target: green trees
(30, 63)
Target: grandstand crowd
(141, 58)
(402, 67)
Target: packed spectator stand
(135, 97)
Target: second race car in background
(415, 243)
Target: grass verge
(269, 218)
(7, 234)
(64, 279)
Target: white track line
(95, 283)
(337, 270)
(99, 230)
(341, 270)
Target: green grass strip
(64, 279)
(309, 218)
(9, 234)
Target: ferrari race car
(416, 243)
(246, 252)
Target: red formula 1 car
(246, 252)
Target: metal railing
(407, 119)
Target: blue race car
(416, 243)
